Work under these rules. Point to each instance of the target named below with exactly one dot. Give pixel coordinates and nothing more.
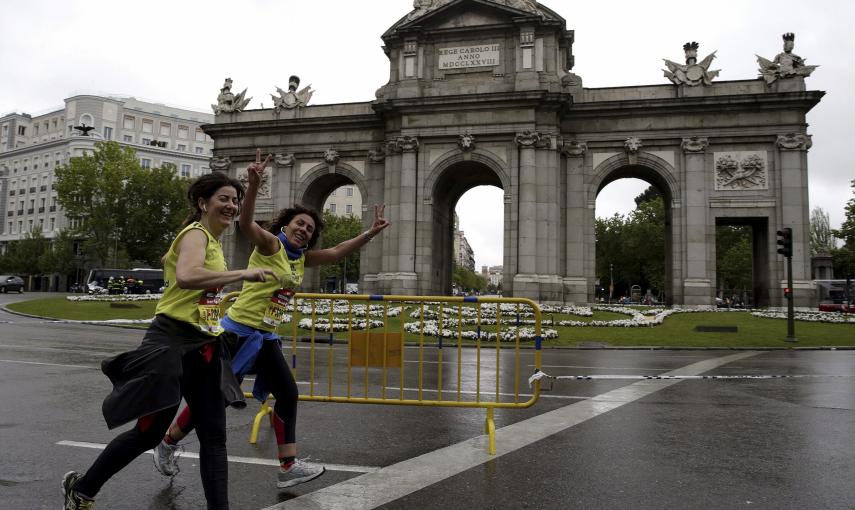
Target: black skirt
(148, 378)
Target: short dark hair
(286, 215)
(204, 187)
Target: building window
(348, 209)
(52, 224)
(108, 133)
(181, 147)
(185, 170)
(165, 129)
(349, 191)
(200, 135)
(128, 122)
(145, 163)
(146, 141)
(22, 130)
(147, 126)
(332, 208)
(333, 192)
(200, 150)
(128, 138)
(183, 132)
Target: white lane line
(46, 364)
(371, 490)
(232, 458)
(483, 393)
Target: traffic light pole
(791, 322)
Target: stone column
(794, 213)
(371, 258)
(578, 286)
(697, 277)
(527, 221)
(406, 220)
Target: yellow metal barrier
(375, 351)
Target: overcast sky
(179, 52)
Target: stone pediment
(450, 14)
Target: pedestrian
(283, 246)
(181, 354)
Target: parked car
(11, 283)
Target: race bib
(275, 313)
(209, 312)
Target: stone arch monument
(481, 93)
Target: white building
(464, 256)
(32, 146)
(492, 274)
(344, 201)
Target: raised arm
(264, 241)
(190, 272)
(345, 248)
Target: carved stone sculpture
(794, 141)
(292, 98)
(738, 174)
(227, 102)
(574, 148)
(632, 145)
(527, 138)
(331, 156)
(377, 155)
(786, 64)
(220, 163)
(283, 159)
(407, 143)
(263, 186)
(466, 142)
(695, 144)
(693, 73)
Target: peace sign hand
(379, 221)
(255, 170)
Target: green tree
(733, 257)
(336, 230)
(59, 257)
(821, 236)
(22, 256)
(91, 190)
(156, 206)
(468, 280)
(843, 258)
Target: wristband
(368, 235)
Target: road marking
(371, 490)
(46, 364)
(232, 458)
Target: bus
(99, 278)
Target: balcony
(10, 213)
(52, 208)
(31, 211)
(43, 187)
(11, 193)
(20, 212)
(33, 189)
(41, 209)
(22, 191)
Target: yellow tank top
(197, 307)
(261, 305)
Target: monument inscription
(461, 57)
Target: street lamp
(611, 281)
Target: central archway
(448, 182)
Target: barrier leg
(256, 423)
(491, 432)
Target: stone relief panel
(741, 170)
(263, 188)
(220, 163)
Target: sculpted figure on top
(786, 64)
(228, 102)
(292, 98)
(693, 73)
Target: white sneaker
(166, 458)
(299, 472)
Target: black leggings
(272, 367)
(200, 387)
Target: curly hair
(204, 187)
(286, 215)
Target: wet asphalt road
(601, 444)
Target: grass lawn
(678, 330)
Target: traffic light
(785, 242)
(787, 293)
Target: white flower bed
(115, 298)
(431, 329)
(827, 317)
(338, 325)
